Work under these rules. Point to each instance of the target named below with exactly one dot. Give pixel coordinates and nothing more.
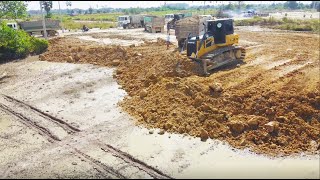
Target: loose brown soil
(271, 104)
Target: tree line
(18, 9)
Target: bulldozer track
(211, 57)
(225, 49)
(30, 122)
(96, 162)
(153, 172)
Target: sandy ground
(297, 15)
(61, 120)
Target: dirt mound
(76, 51)
(189, 20)
(247, 106)
(187, 106)
(272, 111)
(138, 66)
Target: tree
(315, 5)
(68, 3)
(47, 5)
(291, 4)
(90, 10)
(79, 11)
(230, 6)
(13, 9)
(249, 6)
(301, 6)
(239, 5)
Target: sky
(34, 5)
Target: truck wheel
(52, 33)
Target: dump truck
(13, 25)
(36, 26)
(176, 17)
(133, 21)
(191, 26)
(154, 24)
(168, 17)
(249, 13)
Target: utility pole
(204, 7)
(43, 23)
(60, 17)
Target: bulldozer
(218, 46)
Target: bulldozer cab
(217, 47)
(219, 29)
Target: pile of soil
(76, 51)
(275, 111)
(138, 66)
(189, 21)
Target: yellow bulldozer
(218, 46)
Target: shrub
(284, 23)
(38, 45)
(18, 44)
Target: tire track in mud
(29, 123)
(44, 131)
(129, 160)
(38, 114)
(70, 129)
(153, 172)
(98, 163)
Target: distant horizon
(35, 5)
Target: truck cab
(249, 13)
(123, 21)
(13, 25)
(168, 17)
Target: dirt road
(61, 120)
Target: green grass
(70, 24)
(98, 17)
(284, 23)
(194, 12)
